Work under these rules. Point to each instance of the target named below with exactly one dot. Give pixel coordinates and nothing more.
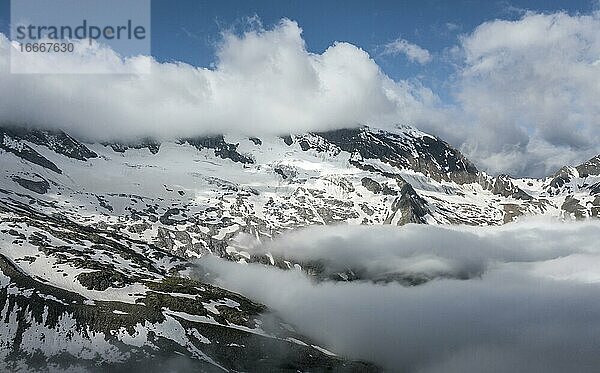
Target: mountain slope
(95, 238)
(78, 298)
(193, 196)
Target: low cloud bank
(379, 251)
(530, 310)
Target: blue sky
(187, 30)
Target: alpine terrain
(97, 240)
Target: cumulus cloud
(412, 51)
(523, 313)
(529, 88)
(264, 81)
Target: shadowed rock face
(596, 208)
(221, 147)
(41, 187)
(24, 151)
(407, 149)
(589, 168)
(16, 140)
(560, 180)
(371, 185)
(572, 206)
(503, 186)
(57, 141)
(413, 207)
(152, 145)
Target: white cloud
(412, 51)
(452, 26)
(264, 81)
(530, 88)
(523, 313)
(378, 251)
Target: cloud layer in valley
(534, 306)
(465, 253)
(525, 91)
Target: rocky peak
(412, 206)
(503, 186)
(589, 168)
(406, 147)
(561, 180)
(57, 141)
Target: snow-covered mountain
(95, 239)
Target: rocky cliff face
(406, 148)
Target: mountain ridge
(120, 223)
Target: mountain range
(98, 240)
